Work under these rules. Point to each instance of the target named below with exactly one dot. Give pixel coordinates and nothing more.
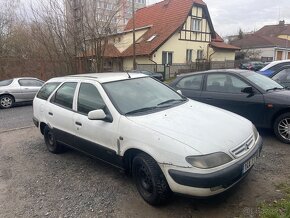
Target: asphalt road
(16, 117)
(36, 183)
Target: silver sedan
(18, 90)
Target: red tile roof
(258, 41)
(222, 45)
(166, 18)
(274, 30)
(111, 51)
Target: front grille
(243, 148)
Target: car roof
(273, 63)
(101, 77)
(231, 71)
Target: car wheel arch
(129, 156)
(279, 113)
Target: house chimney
(281, 22)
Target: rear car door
(60, 113)
(95, 137)
(225, 91)
(190, 86)
(29, 88)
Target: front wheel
(150, 181)
(52, 145)
(6, 101)
(282, 128)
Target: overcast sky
(230, 15)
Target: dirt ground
(36, 183)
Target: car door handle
(208, 99)
(50, 113)
(78, 123)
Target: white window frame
(196, 24)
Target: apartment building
(115, 12)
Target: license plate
(250, 162)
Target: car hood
(202, 127)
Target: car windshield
(262, 81)
(141, 95)
(6, 82)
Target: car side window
(30, 82)
(89, 99)
(224, 83)
(190, 82)
(65, 94)
(46, 90)
(283, 76)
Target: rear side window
(64, 95)
(46, 90)
(190, 82)
(30, 82)
(89, 99)
(6, 82)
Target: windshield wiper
(171, 101)
(275, 88)
(141, 110)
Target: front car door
(225, 91)
(95, 137)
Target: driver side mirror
(248, 90)
(99, 115)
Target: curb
(16, 129)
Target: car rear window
(46, 90)
(6, 82)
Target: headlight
(209, 160)
(256, 133)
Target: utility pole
(134, 37)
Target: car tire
(282, 128)
(6, 101)
(150, 181)
(52, 145)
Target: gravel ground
(36, 183)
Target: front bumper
(222, 179)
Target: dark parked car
(253, 65)
(158, 76)
(258, 98)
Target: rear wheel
(282, 128)
(52, 145)
(6, 101)
(150, 181)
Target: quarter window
(283, 76)
(64, 95)
(89, 99)
(46, 90)
(224, 83)
(190, 82)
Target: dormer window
(196, 25)
(151, 38)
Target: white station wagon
(167, 142)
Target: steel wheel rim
(50, 139)
(145, 181)
(6, 102)
(284, 128)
